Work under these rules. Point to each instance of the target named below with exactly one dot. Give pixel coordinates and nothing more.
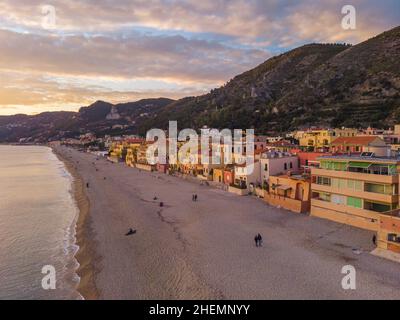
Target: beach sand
(205, 249)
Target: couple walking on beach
(194, 197)
(258, 240)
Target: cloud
(136, 55)
(126, 49)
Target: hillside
(317, 84)
(57, 125)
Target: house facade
(292, 192)
(322, 138)
(277, 163)
(361, 144)
(355, 190)
(246, 176)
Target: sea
(37, 226)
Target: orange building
(291, 192)
(361, 144)
(389, 231)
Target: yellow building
(141, 157)
(218, 175)
(322, 138)
(131, 154)
(117, 151)
(355, 190)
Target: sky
(63, 54)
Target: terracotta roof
(360, 140)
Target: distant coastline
(86, 254)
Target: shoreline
(86, 254)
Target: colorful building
(260, 142)
(277, 163)
(218, 175)
(292, 192)
(389, 232)
(131, 153)
(229, 175)
(246, 176)
(282, 146)
(308, 160)
(355, 190)
(361, 144)
(118, 151)
(322, 138)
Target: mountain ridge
(312, 85)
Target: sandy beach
(205, 249)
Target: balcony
(387, 198)
(356, 176)
(345, 209)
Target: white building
(277, 163)
(247, 175)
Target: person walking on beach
(195, 197)
(87, 184)
(259, 240)
(256, 240)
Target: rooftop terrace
(374, 159)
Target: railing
(362, 172)
(393, 213)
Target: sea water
(37, 225)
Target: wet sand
(205, 249)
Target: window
(338, 183)
(354, 185)
(357, 185)
(285, 166)
(266, 167)
(354, 202)
(379, 188)
(377, 207)
(291, 165)
(337, 199)
(323, 181)
(332, 165)
(324, 196)
(350, 184)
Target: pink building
(309, 159)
